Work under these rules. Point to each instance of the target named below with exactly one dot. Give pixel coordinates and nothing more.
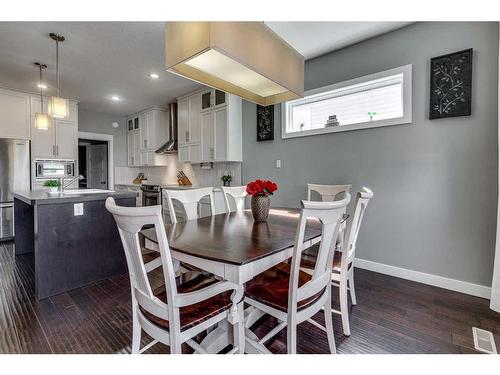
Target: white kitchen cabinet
(154, 129)
(212, 98)
(190, 153)
(66, 140)
(182, 121)
(208, 136)
(60, 140)
(147, 131)
(188, 119)
(211, 121)
(134, 148)
(15, 114)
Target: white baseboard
(425, 278)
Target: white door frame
(107, 138)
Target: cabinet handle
(145, 143)
(212, 153)
(54, 150)
(187, 135)
(132, 160)
(57, 150)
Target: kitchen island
(74, 238)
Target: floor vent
(484, 341)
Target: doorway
(93, 164)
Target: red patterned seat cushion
(308, 259)
(197, 313)
(271, 287)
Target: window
(379, 99)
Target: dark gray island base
(70, 251)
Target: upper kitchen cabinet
(215, 118)
(60, 140)
(15, 110)
(212, 98)
(188, 119)
(147, 131)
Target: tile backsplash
(167, 175)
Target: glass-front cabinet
(212, 98)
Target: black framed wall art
(265, 123)
(451, 85)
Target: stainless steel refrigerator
(14, 175)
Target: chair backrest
(328, 193)
(362, 200)
(329, 215)
(189, 199)
(237, 194)
(130, 221)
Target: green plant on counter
(52, 183)
(227, 178)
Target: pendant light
(244, 58)
(58, 107)
(42, 120)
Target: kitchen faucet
(63, 185)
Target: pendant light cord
(41, 88)
(57, 65)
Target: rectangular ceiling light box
(244, 58)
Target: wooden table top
(235, 238)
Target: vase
(260, 207)
(226, 183)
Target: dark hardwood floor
(392, 316)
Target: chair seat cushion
(197, 313)
(309, 256)
(271, 288)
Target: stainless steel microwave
(52, 168)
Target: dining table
(233, 247)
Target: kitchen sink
(86, 191)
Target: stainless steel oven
(52, 168)
(151, 195)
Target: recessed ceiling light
(41, 86)
(154, 76)
(115, 98)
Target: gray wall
(96, 122)
(435, 182)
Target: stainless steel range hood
(170, 147)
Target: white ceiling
(100, 59)
(313, 39)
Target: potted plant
(260, 190)
(226, 180)
(53, 186)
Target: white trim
(406, 70)
(495, 282)
(111, 164)
(425, 278)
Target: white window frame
(406, 70)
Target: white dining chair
(342, 268)
(174, 314)
(293, 296)
(328, 193)
(235, 193)
(190, 199)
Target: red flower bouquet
(260, 190)
(261, 187)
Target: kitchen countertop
(33, 197)
(188, 187)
